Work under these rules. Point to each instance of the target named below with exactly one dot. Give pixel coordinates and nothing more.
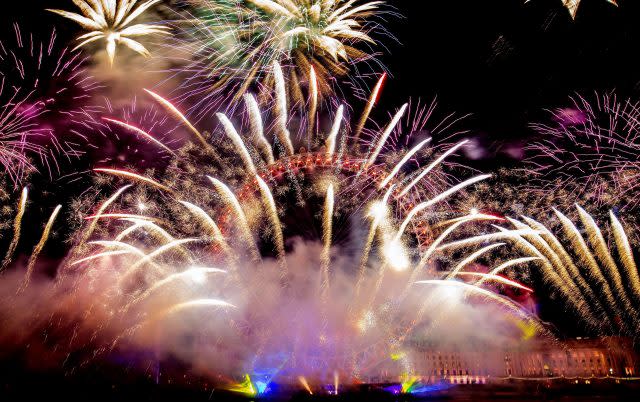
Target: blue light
(394, 389)
(420, 389)
(262, 387)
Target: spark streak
(424, 205)
(270, 204)
(431, 166)
(385, 135)
(36, 251)
(496, 278)
(257, 130)
(281, 110)
(140, 132)
(173, 110)
(134, 176)
(233, 135)
(472, 257)
(209, 223)
(327, 227)
(305, 384)
(333, 135)
(231, 199)
(400, 164)
(373, 98)
(17, 224)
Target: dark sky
(504, 61)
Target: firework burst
(112, 21)
(43, 86)
(18, 136)
(234, 44)
(590, 150)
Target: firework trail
(270, 205)
(601, 286)
(305, 384)
(243, 224)
(36, 251)
(179, 115)
(257, 130)
(327, 228)
(382, 140)
(373, 98)
(17, 225)
(313, 103)
(112, 21)
(281, 109)
(141, 132)
(497, 278)
(233, 45)
(237, 141)
(133, 176)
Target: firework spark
(111, 21)
(17, 139)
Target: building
(605, 357)
(579, 357)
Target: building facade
(605, 357)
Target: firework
(112, 21)
(36, 251)
(234, 44)
(589, 152)
(42, 87)
(141, 132)
(600, 285)
(305, 384)
(279, 274)
(243, 224)
(17, 234)
(327, 228)
(17, 138)
(17, 226)
(572, 6)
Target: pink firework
(42, 86)
(590, 150)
